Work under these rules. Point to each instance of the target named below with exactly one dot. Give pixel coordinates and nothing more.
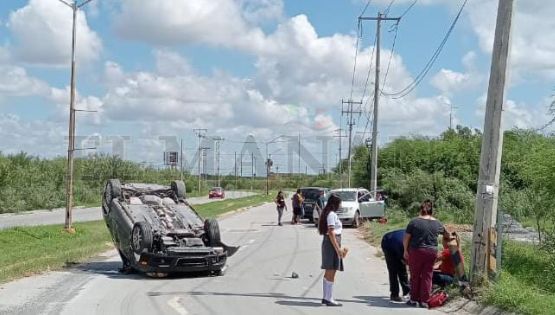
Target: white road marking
(174, 303)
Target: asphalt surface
(57, 216)
(257, 281)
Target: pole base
(70, 230)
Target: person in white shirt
(332, 254)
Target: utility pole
(217, 157)
(181, 160)
(252, 170)
(340, 164)
(484, 237)
(377, 92)
(200, 132)
(299, 153)
(235, 168)
(351, 122)
(71, 139)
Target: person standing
(392, 247)
(280, 205)
(297, 202)
(332, 254)
(420, 250)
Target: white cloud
(35, 137)
(16, 82)
(518, 114)
(261, 11)
(533, 33)
(217, 22)
(42, 34)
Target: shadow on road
(111, 270)
(380, 301)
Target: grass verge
(30, 250)
(213, 209)
(527, 283)
(27, 250)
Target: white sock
(328, 290)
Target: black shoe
(396, 299)
(324, 301)
(331, 303)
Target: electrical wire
(386, 12)
(359, 32)
(369, 70)
(396, 27)
(418, 79)
(366, 7)
(408, 9)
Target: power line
(366, 7)
(386, 12)
(409, 8)
(396, 26)
(409, 88)
(369, 70)
(359, 34)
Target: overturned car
(156, 231)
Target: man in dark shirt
(392, 247)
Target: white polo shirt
(333, 221)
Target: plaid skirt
(330, 259)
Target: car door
(363, 204)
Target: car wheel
(141, 239)
(356, 220)
(212, 230)
(111, 190)
(178, 187)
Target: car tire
(141, 238)
(111, 190)
(356, 220)
(178, 187)
(212, 230)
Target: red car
(216, 192)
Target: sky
(261, 74)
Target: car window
(346, 195)
(364, 196)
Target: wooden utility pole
(351, 122)
(377, 93)
(485, 236)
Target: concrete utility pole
(217, 157)
(181, 160)
(351, 122)
(200, 132)
(71, 145)
(484, 235)
(377, 93)
(340, 164)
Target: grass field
(29, 250)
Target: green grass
(30, 250)
(527, 282)
(216, 208)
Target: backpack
(437, 299)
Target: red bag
(437, 299)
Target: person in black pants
(392, 247)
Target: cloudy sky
(155, 70)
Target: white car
(356, 204)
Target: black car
(313, 196)
(156, 231)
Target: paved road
(257, 281)
(57, 216)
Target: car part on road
(156, 231)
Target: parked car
(357, 204)
(156, 231)
(216, 192)
(314, 198)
